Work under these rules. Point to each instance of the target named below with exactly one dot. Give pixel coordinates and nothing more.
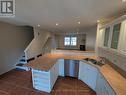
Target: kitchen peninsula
(102, 79)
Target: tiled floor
(18, 82)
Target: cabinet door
(123, 39)
(54, 74)
(102, 86)
(106, 36)
(92, 76)
(115, 36)
(83, 72)
(88, 74)
(61, 67)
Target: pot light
(57, 24)
(78, 22)
(98, 21)
(38, 25)
(123, 0)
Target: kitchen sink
(93, 61)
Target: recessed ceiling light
(98, 21)
(78, 22)
(38, 25)
(57, 24)
(123, 0)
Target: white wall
(13, 41)
(36, 46)
(113, 56)
(89, 35)
(91, 38)
(60, 41)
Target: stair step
(23, 68)
(23, 56)
(20, 64)
(23, 60)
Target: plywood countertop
(47, 61)
(116, 81)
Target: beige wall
(89, 35)
(36, 46)
(80, 41)
(13, 41)
(91, 38)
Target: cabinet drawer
(42, 87)
(40, 81)
(40, 76)
(39, 72)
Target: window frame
(70, 42)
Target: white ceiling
(65, 12)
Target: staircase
(42, 40)
(21, 62)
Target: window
(73, 41)
(70, 41)
(67, 41)
(106, 38)
(115, 36)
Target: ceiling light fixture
(123, 0)
(38, 25)
(98, 21)
(57, 24)
(78, 22)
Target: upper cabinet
(115, 36)
(106, 37)
(122, 42)
(112, 36)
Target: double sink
(96, 62)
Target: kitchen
(63, 47)
(94, 70)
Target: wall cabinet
(113, 35)
(123, 38)
(88, 74)
(106, 36)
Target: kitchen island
(46, 69)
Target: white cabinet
(102, 86)
(88, 74)
(123, 38)
(45, 80)
(54, 72)
(61, 67)
(93, 78)
(41, 80)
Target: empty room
(62, 47)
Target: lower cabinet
(61, 67)
(88, 74)
(44, 81)
(94, 79)
(102, 86)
